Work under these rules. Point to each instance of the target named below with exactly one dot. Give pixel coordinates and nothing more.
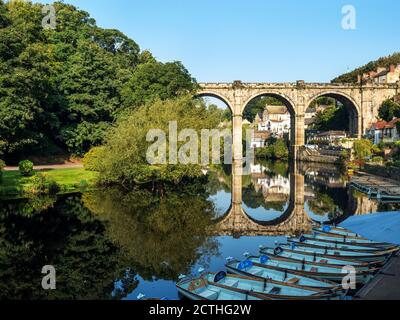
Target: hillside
(351, 77)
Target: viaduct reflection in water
(293, 221)
(308, 191)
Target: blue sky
(255, 40)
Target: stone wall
(386, 172)
(307, 155)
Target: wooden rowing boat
(270, 288)
(380, 257)
(348, 241)
(286, 255)
(328, 272)
(302, 242)
(201, 289)
(262, 271)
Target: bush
(42, 184)
(92, 160)
(2, 165)
(396, 163)
(125, 160)
(26, 168)
(377, 160)
(83, 185)
(277, 150)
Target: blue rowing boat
(326, 238)
(314, 243)
(272, 289)
(201, 289)
(379, 257)
(300, 257)
(263, 271)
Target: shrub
(396, 163)
(26, 168)
(2, 165)
(377, 160)
(92, 160)
(42, 184)
(83, 185)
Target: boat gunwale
(346, 258)
(334, 286)
(324, 275)
(360, 244)
(316, 246)
(362, 264)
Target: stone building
(382, 75)
(274, 119)
(383, 131)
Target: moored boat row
(306, 268)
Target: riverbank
(69, 180)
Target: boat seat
(210, 294)
(257, 273)
(275, 290)
(294, 280)
(232, 283)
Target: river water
(109, 244)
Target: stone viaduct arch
(238, 223)
(363, 100)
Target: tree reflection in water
(65, 235)
(160, 237)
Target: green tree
(156, 80)
(258, 105)
(60, 90)
(363, 149)
(332, 118)
(351, 77)
(389, 110)
(124, 154)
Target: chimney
(359, 78)
(392, 68)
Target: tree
(332, 118)
(156, 80)
(363, 149)
(389, 110)
(351, 77)
(61, 90)
(124, 154)
(258, 105)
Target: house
(330, 137)
(383, 131)
(274, 119)
(259, 139)
(381, 75)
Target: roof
(392, 124)
(332, 133)
(380, 125)
(262, 135)
(276, 109)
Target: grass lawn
(13, 183)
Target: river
(109, 244)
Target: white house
(274, 119)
